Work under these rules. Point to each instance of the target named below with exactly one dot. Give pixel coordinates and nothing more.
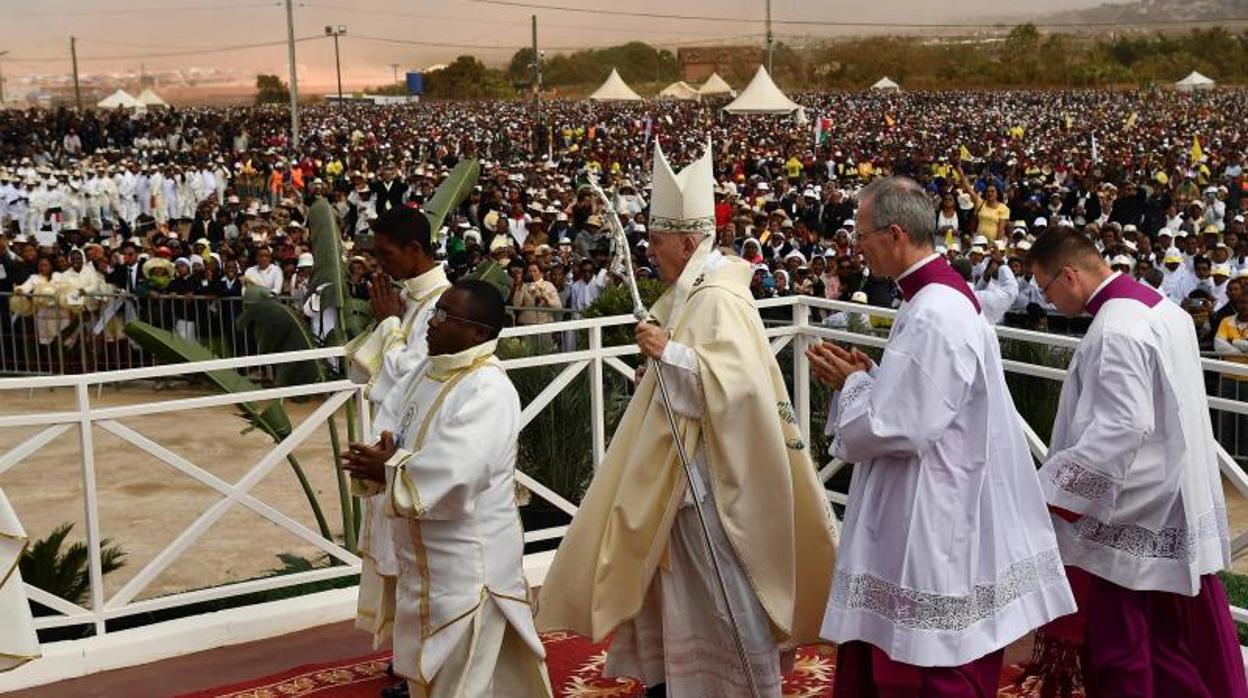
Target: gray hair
(902, 202)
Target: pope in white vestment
(395, 349)
(635, 560)
(1132, 476)
(462, 619)
(946, 553)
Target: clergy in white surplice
(462, 619)
(1133, 481)
(947, 553)
(381, 359)
(18, 643)
(635, 562)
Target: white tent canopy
(1195, 81)
(887, 85)
(761, 96)
(119, 100)
(679, 90)
(715, 85)
(615, 90)
(148, 98)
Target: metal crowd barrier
(58, 341)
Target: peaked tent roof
(1194, 81)
(886, 83)
(679, 90)
(119, 100)
(615, 90)
(715, 85)
(761, 96)
(149, 98)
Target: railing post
(597, 406)
(801, 368)
(87, 444)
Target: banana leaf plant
(329, 276)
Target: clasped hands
(832, 365)
(366, 462)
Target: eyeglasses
(856, 236)
(440, 316)
(1045, 291)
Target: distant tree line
(1024, 57)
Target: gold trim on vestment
(9, 573)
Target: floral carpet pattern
(575, 665)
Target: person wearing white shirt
(587, 287)
(265, 273)
(1133, 481)
(1221, 274)
(462, 613)
(947, 554)
(1176, 281)
(996, 291)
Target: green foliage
(452, 192)
(1025, 57)
(278, 327)
(467, 78)
(636, 61)
(1237, 594)
(1035, 398)
(329, 274)
(271, 90)
(618, 301)
(66, 573)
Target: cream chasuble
(770, 505)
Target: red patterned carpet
(575, 666)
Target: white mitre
(684, 202)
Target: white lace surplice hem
(682, 637)
(929, 629)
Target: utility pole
(294, 78)
(2, 55)
(73, 55)
(537, 72)
(337, 32)
(771, 39)
(394, 68)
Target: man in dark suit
(125, 277)
(388, 192)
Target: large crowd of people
(197, 203)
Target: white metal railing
(87, 414)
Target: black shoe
(659, 690)
(398, 690)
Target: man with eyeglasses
(463, 624)
(1132, 477)
(947, 554)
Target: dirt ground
(145, 504)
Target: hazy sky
(116, 35)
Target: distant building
(697, 64)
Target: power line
(473, 20)
(137, 10)
(853, 24)
(517, 47)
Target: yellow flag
(964, 154)
(888, 119)
(1068, 122)
(1135, 115)
(1197, 153)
